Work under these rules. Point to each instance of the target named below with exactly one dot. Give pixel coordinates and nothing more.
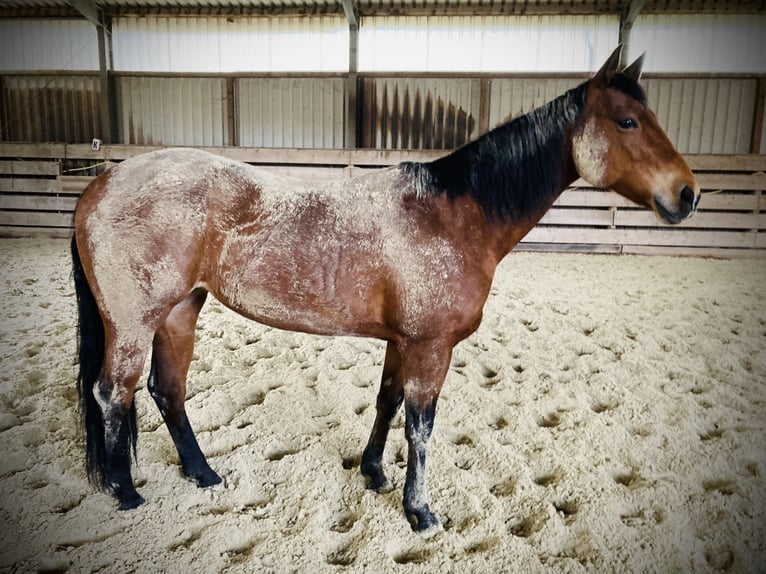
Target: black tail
(90, 344)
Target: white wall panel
(486, 44)
(48, 45)
(514, 97)
(242, 44)
(705, 115)
(291, 112)
(733, 43)
(172, 111)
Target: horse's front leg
(390, 398)
(424, 368)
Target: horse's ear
(634, 70)
(610, 67)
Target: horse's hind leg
(173, 346)
(390, 398)
(113, 393)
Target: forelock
(628, 86)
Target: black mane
(515, 170)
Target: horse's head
(618, 144)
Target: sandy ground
(608, 416)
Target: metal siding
(48, 45)
(50, 108)
(705, 115)
(291, 112)
(486, 44)
(172, 111)
(242, 44)
(420, 113)
(513, 97)
(727, 43)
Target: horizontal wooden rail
(40, 184)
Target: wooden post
(760, 104)
(108, 110)
(107, 107)
(232, 134)
(351, 86)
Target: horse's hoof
(379, 484)
(425, 523)
(376, 479)
(205, 479)
(131, 501)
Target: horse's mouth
(674, 217)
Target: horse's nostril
(687, 197)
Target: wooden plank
(592, 198)
(38, 218)
(10, 167)
(710, 220)
(75, 183)
(38, 203)
(28, 185)
(57, 232)
(689, 238)
(728, 202)
(569, 248)
(36, 150)
(701, 162)
(729, 181)
(562, 216)
(253, 155)
(717, 252)
(714, 162)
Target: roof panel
(10, 8)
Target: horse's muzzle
(688, 201)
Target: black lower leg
(119, 440)
(419, 426)
(193, 463)
(389, 401)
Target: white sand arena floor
(608, 416)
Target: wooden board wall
(40, 184)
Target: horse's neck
(506, 234)
(538, 184)
(516, 171)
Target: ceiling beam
(627, 18)
(352, 13)
(89, 10)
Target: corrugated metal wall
(291, 112)
(50, 108)
(48, 45)
(419, 113)
(172, 111)
(242, 44)
(705, 115)
(513, 97)
(486, 44)
(702, 115)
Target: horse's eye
(628, 124)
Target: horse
(405, 254)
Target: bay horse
(405, 254)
